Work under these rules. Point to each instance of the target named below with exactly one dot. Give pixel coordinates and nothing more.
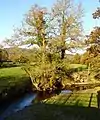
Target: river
(21, 103)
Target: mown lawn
(11, 71)
(10, 77)
(72, 106)
(78, 65)
(74, 99)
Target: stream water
(18, 105)
(21, 103)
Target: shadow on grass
(43, 111)
(98, 98)
(90, 99)
(73, 106)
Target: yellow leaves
(70, 20)
(95, 35)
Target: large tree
(35, 30)
(53, 32)
(67, 24)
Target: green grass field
(5, 72)
(78, 65)
(11, 77)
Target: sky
(12, 14)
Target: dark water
(18, 105)
(21, 103)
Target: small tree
(3, 56)
(76, 59)
(94, 42)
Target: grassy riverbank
(73, 106)
(15, 76)
(82, 105)
(12, 80)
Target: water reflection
(65, 91)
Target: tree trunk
(62, 53)
(63, 36)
